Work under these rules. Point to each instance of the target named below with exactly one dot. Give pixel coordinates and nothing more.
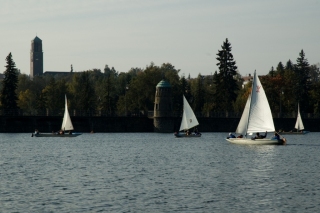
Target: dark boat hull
(177, 135)
(56, 135)
(294, 133)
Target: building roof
(37, 39)
(163, 83)
(57, 73)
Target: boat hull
(177, 135)
(56, 135)
(249, 141)
(294, 133)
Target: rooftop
(163, 83)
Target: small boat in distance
(66, 126)
(189, 120)
(299, 126)
(256, 117)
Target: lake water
(151, 172)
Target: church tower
(162, 114)
(36, 57)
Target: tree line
(116, 93)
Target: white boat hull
(249, 141)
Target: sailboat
(189, 120)
(256, 117)
(299, 126)
(66, 126)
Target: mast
(253, 82)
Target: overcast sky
(133, 33)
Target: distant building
(247, 79)
(36, 58)
(57, 74)
(1, 77)
(162, 117)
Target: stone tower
(162, 115)
(36, 57)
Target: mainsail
(257, 116)
(66, 123)
(299, 124)
(189, 119)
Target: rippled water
(150, 172)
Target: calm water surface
(150, 172)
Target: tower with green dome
(162, 113)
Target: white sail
(66, 123)
(260, 116)
(243, 124)
(299, 124)
(189, 119)
(256, 116)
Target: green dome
(163, 83)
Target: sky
(126, 34)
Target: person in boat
(276, 136)
(36, 132)
(61, 132)
(231, 135)
(188, 132)
(258, 136)
(196, 132)
(240, 136)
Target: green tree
(8, 92)
(171, 74)
(227, 86)
(110, 98)
(83, 92)
(302, 83)
(272, 72)
(53, 95)
(289, 65)
(197, 94)
(280, 69)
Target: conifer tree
(8, 93)
(272, 72)
(280, 69)
(289, 65)
(227, 86)
(302, 83)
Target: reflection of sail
(189, 119)
(299, 124)
(66, 123)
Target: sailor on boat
(277, 137)
(196, 131)
(258, 136)
(231, 136)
